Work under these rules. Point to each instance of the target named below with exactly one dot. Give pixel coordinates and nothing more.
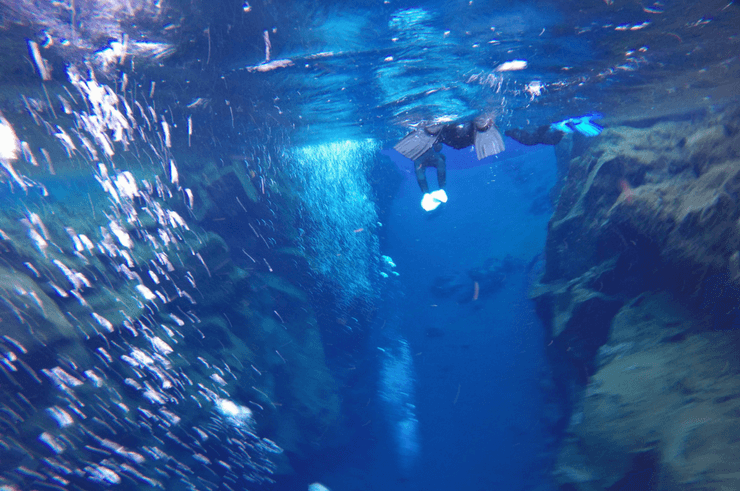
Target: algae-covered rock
(665, 396)
(284, 286)
(300, 392)
(672, 187)
(639, 297)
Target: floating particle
(511, 66)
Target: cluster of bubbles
(397, 396)
(338, 213)
(100, 378)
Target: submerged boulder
(662, 402)
(639, 296)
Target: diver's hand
(439, 195)
(432, 200)
(429, 203)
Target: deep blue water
(478, 364)
(479, 398)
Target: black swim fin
(488, 143)
(415, 144)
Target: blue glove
(582, 125)
(585, 127)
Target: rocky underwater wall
(640, 297)
(156, 328)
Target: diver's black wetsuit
(459, 136)
(481, 132)
(544, 135)
(431, 158)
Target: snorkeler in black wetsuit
(481, 132)
(424, 144)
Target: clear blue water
(478, 382)
(258, 262)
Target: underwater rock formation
(139, 345)
(639, 295)
(260, 315)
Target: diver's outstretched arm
(544, 135)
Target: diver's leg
(421, 177)
(441, 172)
(427, 201)
(439, 162)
